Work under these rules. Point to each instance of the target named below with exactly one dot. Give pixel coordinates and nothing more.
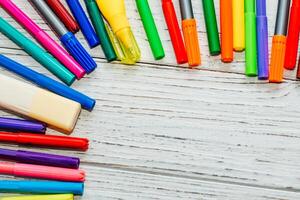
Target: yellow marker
(114, 12)
(238, 25)
(42, 197)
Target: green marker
(99, 26)
(211, 27)
(150, 28)
(37, 52)
(250, 32)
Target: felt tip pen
(226, 30)
(42, 172)
(150, 28)
(250, 31)
(45, 140)
(174, 31)
(41, 187)
(42, 197)
(190, 34)
(39, 54)
(47, 83)
(20, 125)
(238, 25)
(292, 41)
(115, 13)
(64, 15)
(43, 38)
(279, 42)
(99, 25)
(36, 158)
(84, 23)
(67, 38)
(262, 40)
(211, 27)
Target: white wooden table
(163, 131)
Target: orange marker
(226, 30)
(190, 34)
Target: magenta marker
(44, 39)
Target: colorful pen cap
(46, 140)
(42, 197)
(19, 125)
(238, 17)
(40, 158)
(84, 23)
(64, 15)
(41, 187)
(42, 172)
(47, 83)
(174, 31)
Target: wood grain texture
(162, 131)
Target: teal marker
(39, 54)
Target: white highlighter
(38, 104)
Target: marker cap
(19, 125)
(42, 197)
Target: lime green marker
(250, 31)
(100, 29)
(39, 54)
(150, 28)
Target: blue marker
(67, 38)
(84, 23)
(41, 187)
(47, 83)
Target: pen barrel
(74, 47)
(186, 9)
(174, 31)
(42, 197)
(250, 51)
(56, 87)
(63, 15)
(36, 52)
(282, 17)
(51, 173)
(99, 26)
(83, 21)
(226, 30)
(189, 28)
(262, 47)
(277, 58)
(211, 27)
(20, 125)
(261, 8)
(238, 25)
(150, 29)
(292, 42)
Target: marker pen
(226, 30)
(279, 42)
(174, 31)
(211, 27)
(42, 197)
(262, 40)
(84, 23)
(67, 38)
(292, 41)
(238, 17)
(150, 29)
(189, 29)
(41, 187)
(44, 39)
(17, 125)
(36, 52)
(250, 30)
(63, 14)
(100, 29)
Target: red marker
(293, 36)
(174, 31)
(64, 15)
(45, 140)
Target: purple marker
(19, 125)
(40, 158)
(262, 39)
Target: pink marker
(42, 172)
(48, 43)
